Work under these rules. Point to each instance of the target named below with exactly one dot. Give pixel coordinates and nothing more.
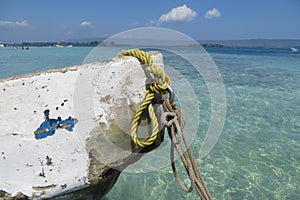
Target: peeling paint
(41, 188)
(49, 126)
(86, 163)
(8, 196)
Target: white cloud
(151, 23)
(213, 13)
(23, 23)
(86, 24)
(179, 14)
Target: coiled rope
(159, 86)
(171, 118)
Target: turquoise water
(16, 62)
(258, 153)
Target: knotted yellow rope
(173, 120)
(159, 86)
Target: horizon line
(90, 39)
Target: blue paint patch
(113, 75)
(49, 126)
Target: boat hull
(65, 132)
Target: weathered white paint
(59, 163)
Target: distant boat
(295, 48)
(59, 45)
(2, 45)
(25, 47)
(62, 45)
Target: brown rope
(173, 120)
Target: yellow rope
(159, 86)
(173, 120)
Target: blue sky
(59, 20)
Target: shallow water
(258, 153)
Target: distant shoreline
(60, 44)
(255, 43)
(251, 43)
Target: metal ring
(171, 94)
